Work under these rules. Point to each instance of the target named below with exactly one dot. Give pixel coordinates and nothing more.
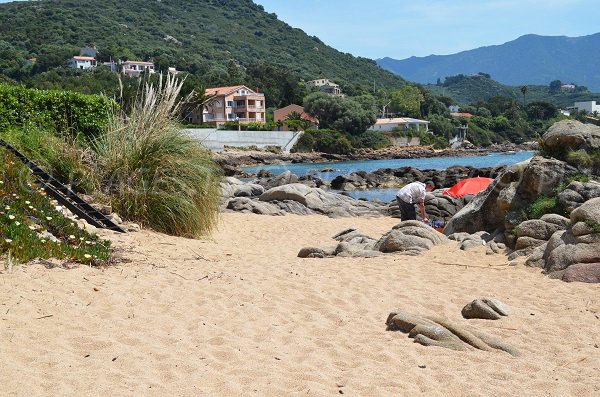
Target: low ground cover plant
(31, 227)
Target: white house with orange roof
(236, 103)
(82, 62)
(387, 125)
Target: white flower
(49, 218)
(7, 207)
(31, 227)
(31, 207)
(27, 202)
(72, 237)
(42, 241)
(8, 240)
(1, 182)
(81, 238)
(87, 241)
(87, 256)
(59, 208)
(11, 217)
(17, 223)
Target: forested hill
(204, 37)
(476, 88)
(530, 59)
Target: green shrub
(64, 111)
(543, 205)
(26, 216)
(584, 159)
(371, 140)
(324, 141)
(592, 224)
(61, 156)
(154, 173)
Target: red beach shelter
(468, 186)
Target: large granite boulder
(542, 176)
(321, 201)
(577, 193)
(482, 212)
(247, 205)
(282, 179)
(410, 237)
(571, 135)
(486, 308)
(578, 246)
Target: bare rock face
(571, 135)
(542, 176)
(430, 331)
(486, 308)
(577, 193)
(410, 236)
(482, 212)
(583, 273)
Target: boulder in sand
(486, 308)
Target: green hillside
(208, 38)
(479, 88)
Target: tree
(407, 101)
(555, 86)
(342, 114)
(541, 111)
(524, 90)
(199, 99)
(295, 122)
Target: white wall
(216, 140)
(589, 106)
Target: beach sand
(240, 315)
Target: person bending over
(410, 195)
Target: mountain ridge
(529, 59)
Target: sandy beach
(239, 314)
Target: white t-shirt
(412, 193)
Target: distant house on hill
(568, 87)
(236, 103)
(454, 108)
(465, 115)
(326, 86)
(81, 62)
(282, 114)
(388, 125)
(136, 68)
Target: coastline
(231, 159)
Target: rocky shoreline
(232, 160)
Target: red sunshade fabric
(468, 186)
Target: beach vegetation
(152, 172)
(323, 140)
(31, 227)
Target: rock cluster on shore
(565, 242)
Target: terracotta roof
(225, 90)
(399, 120)
(467, 115)
(140, 62)
(78, 58)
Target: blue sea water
(347, 167)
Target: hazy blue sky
(404, 28)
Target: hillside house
(136, 68)
(81, 62)
(407, 123)
(325, 86)
(588, 107)
(461, 114)
(282, 114)
(236, 103)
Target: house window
(229, 104)
(231, 116)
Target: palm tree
(524, 91)
(199, 99)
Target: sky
(403, 28)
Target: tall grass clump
(154, 173)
